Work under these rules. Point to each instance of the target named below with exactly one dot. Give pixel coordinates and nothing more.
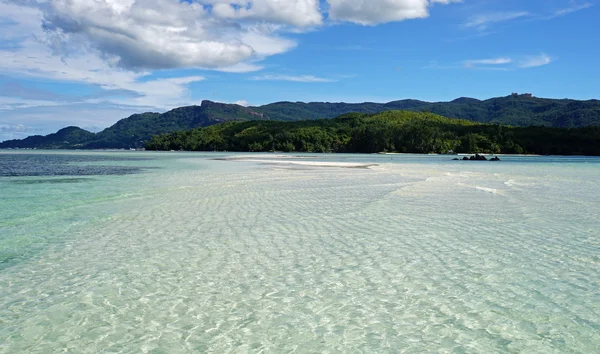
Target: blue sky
(91, 63)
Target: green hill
(517, 110)
(292, 111)
(514, 110)
(391, 131)
(133, 131)
(66, 138)
(138, 128)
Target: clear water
(182, 252)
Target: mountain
(66, 138)
(292, 111)
(514, 110)
(134, 131)
(390, 131)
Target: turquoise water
(307, 253)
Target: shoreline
(291, 154)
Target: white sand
(303, 163)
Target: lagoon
(226, 252)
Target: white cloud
(119, 46)
(243, 103)
(162, 34)
(493, 61)
(13, 103)
(36, 60)
(482, 22)
(535, 61)
(223, 35)
(17, 128)
(154, 34)
(264, 43)
(14, 131)
(507, 63)
(569, 10)
(241, 68)
(299, 13)
(45, 119)
(39, 55)
(372, 12)
(302, 78)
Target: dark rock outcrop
(477, 157)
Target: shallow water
(193, 254)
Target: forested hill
(515, 110)
(391, 131)
(65, 138)
(134, 131)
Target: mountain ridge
(134, 131)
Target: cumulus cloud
(157, 34)
(33, 59)
(42, 53)
(225, 35)
(299, 13)
(210, 34)
(372, 12)
(123, 47)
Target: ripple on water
(50, 180)
(316, 260)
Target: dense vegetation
(515, 110)
(393, 131)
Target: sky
(90, 63)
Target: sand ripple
(254, 258)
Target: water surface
(192, 254)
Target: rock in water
(476, 157)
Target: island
(392, 131)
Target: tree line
(392, 131)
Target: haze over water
(179, 252)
